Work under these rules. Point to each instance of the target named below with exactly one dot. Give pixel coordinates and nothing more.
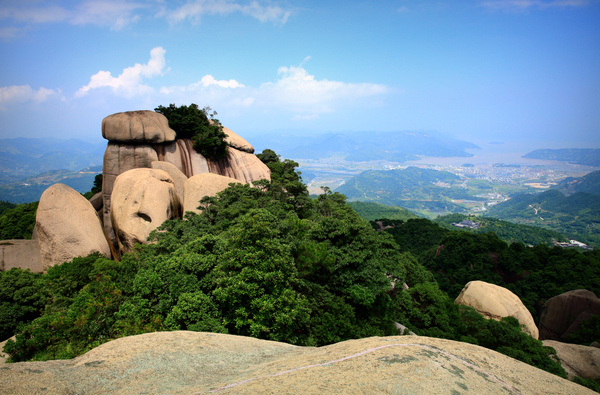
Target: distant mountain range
(30, 189)
(365, 146)
(24, 157)
(579, 156)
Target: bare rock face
(200, 185)
(564, 313)
(178, 177)
(142, 200)
(183, 362)
(181, 154)
(137, 127)
(577, 360)
(493, 301)
(67, 227)
(237, 142)
(241, 166)
(119, 158)
(24, 254)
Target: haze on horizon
(512, 71)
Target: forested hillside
(577, 215)
(581, 156)
(413, 188)
(272, 263)
(507, 231)
(589, 183)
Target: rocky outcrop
(67, 227)
(493, 301)
(182, 154)
(119, 158)
(241, 166)
(201, 185)
(564, 313)
(139, 138)
(193, 362)
(137, 127)
(577, 360)
(24, 254)
(237, 142)
(142, 200)
(177, 176)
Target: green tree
(18, 222)
(199, 125)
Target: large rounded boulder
(577, 360)
(142, 199)
(67, 227)
(141, 127)
(564, 313)
(493, 301)
(206, 184)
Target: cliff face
(196, 362)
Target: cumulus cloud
(129, 82)
(264, 12)
(522, 5)
(23, 94)
(294, 92)
(299, 90)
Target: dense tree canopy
(199, 125)
(264, 261)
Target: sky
(479, 70)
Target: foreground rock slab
(196, 363)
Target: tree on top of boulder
(199, 125)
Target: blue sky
(480, 70)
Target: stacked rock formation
(493, 301)
(143, 139)
(148, 177)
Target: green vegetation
(576, 216)
(534, 274)
(507, 231)
(21, 300)
(424, 191)
(96, 188)
(6, 206)
(267, 262)
(18, 222)
(580, 156)
(589, 183)
(200, 126)
(372, 211)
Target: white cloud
(522, 5)
(24, 93)
(295, 92)
(300, 90)
(129, 82)
(113, 13)
(209, 80)
(196, 8)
